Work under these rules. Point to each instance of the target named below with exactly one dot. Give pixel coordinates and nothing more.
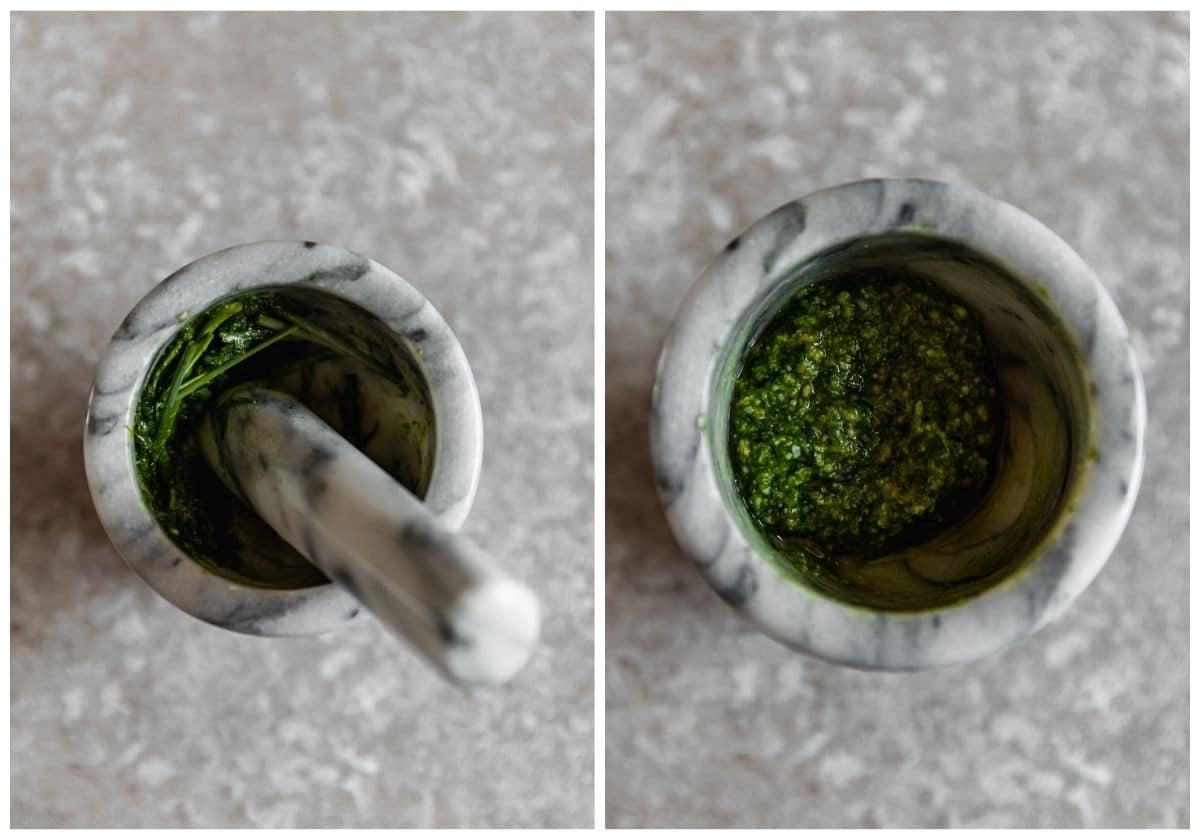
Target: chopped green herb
(864, 417)
(255, 335)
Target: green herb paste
(294, 343)
(865, 416)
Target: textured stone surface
(455, 150)
(712, 121)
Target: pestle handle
(369, 533)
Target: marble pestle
(371, 535)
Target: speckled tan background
(456, 150)
(714, 120)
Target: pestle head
(503, 620)
(370, 534)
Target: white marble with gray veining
(151, 325)
(370, 535)
(685, 434)
(714, 120)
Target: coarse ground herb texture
(865, 416)
(283, 341)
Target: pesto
(865, 416)
(284, 341)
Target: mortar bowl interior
(366, 382)
(1046, 429)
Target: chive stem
(197, 382)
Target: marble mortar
(773, 257)
(154, 322)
